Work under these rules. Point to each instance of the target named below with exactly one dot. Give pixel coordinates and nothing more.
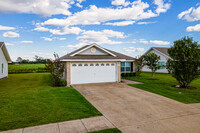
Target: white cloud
(162, 7)
(191, 14)
(158, 42)
(66, 30)
(99, 37)
(95, 15)
(41, 29)
(193, 28)
(6, 28)
(130, 50)
(122, 23)
(11, 34)
(145, 22)
(41, 7)
(47, 38)
(26, 42)
(80, 1)
(9, 44)
(79, 5)
(120, 2)
(61, 39)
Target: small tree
(139, 65)
(185, 61)
(151, 60)
(56, 68)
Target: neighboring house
(94, 64)
(164, 56)
(4, 60)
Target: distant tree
(139, 65)
(185, 61)
(24, 61)
(56, 68)
(39, 59)
(151, 60)
(19, 59)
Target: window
(112, 64)
(85, 64)
(2, 67)
(73, 64)
(79, 64)
(162, 63)
(91, 64)
(96, 64)
(102, 64)
(107, 64)
(125, 66)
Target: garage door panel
(93, 74)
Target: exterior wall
(68, 73)
(5, 64)
(162, 59)
(119, 71)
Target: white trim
(92, 46)
(5, 52)
(83, 60)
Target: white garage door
(82, 73)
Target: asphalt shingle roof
(118, 55)
(162, 50)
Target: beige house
(94, 64)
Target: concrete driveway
(133, 110)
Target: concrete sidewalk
(74, 126)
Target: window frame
(125, 66)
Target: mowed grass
(26, 66)
(163, 86)
(28, 100)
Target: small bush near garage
(131, 74)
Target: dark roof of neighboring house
(118, 55)
(5, 52)
(162, 50)
(1, 44)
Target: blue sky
(41, 28)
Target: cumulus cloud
(130, 50)
(41, 29)
(99, 37)
(79, 5)
(158, 42)
(40, 7)
(66, 30)
(6, 28)
(191, 14)
(122, 23)
(145, 22)
(11, 34)
(47, 38)
(26, 42)
(61, 39)
(120, 3)
(162, 7)
(193, 28)
(95, 15)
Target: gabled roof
(5, 52)
(161, 50)
(112, 55)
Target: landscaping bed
(28, 100)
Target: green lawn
(28, 100)
(26, 66)
(163, 86)
(112, 130)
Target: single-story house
(95, 64)
(4, 60)
(164, 56)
